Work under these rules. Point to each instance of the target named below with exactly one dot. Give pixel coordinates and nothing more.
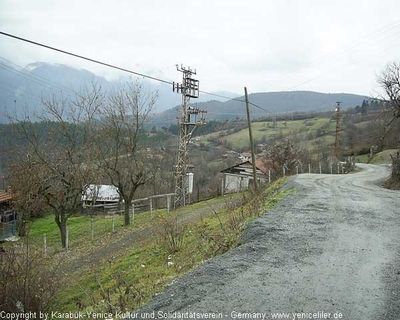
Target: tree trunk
(62, 225)
(396, 167)
(126, 212)
(22, 224)
(63, 230)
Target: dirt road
(330, 251)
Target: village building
(240, 177)
(100, 194)
(8, 216)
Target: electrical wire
(338, 55)
(28, 77)
(151, 77)
(37, 77)
(85, 58)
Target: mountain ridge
(269, 103)
(23, 88)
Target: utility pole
(337, 110)
(253, 157)
(188, 122)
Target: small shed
(100, 194)
(8, 216)
(239, 177)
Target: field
(309, 133)
(380, 158)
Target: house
(5, 197)
(240, 177)
(8, 216)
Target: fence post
(45, 245)
(320, 168)
(309, 168)
(269, 176)
(113, 223)
(66, 238)
(168, 203)
(151, 206)
(92, 227)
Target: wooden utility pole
(253, 157)
(337, 130)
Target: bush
(28, 282)
(172, 232)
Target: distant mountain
(23, 88)
(268, 103)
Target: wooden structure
(240, 177)
(8, 216)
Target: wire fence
(7, 229)
(98, 224)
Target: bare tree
(283, 154)
(390, 83)
(26, 200)
(389, 80)
(58, 149)
(121, 157)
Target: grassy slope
(128, 281)
(261, 130)
(380, 158)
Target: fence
(92, 228)
(7, 229)
(8, 224)
(243, 179)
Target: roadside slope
(332, 247)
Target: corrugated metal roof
(5, 196)
(101, 193)
(260, 165)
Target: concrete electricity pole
(337, 129)
(188, 121)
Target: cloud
(266, 45)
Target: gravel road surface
(329, 251)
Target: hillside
(274, 102)
(22, 89)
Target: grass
(380, 158)
(130, 281)
(80, 226)
(383, 157)
(264, 130)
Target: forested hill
(274, 102)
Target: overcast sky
(281, 45)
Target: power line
(125, 70)
(109, 65)
(338, 55)
(29, 77)
(85, 58)
(22, 94)
(36, 77)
